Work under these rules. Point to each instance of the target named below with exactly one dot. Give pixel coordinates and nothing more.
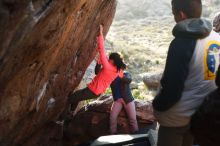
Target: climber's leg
(115, 110)
(131, 112)
(80, 95)
(74, 99)
(72, 102)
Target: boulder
(45, 48)
(152, 80)
(92, 121)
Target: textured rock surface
(45, 48)
(92, 120)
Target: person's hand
(101, 29)
(97, 41)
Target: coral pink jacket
(107, 74)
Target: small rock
(152, 80)
(134, 85)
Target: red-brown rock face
(92, 121)
(45, 47)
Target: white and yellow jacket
(192, 63)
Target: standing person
(110, 70)
(123, 98)
(189, 73)
(205, 123)
(216, 23)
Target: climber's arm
(97, 68)
(175, 74)
(103, 57)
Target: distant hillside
(142, 33)
(141, 9)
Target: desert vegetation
(142, 32)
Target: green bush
(137, 94)
(108, 91)
(157, 62)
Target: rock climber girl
(111, 68)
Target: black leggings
(80, 95)
(75, 98)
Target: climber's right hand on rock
(101, 29)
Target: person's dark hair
(192, 8)
(118, 61)
(217, 80)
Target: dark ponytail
(118, 61)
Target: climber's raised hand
(101, 29)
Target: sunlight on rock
(114, 138)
